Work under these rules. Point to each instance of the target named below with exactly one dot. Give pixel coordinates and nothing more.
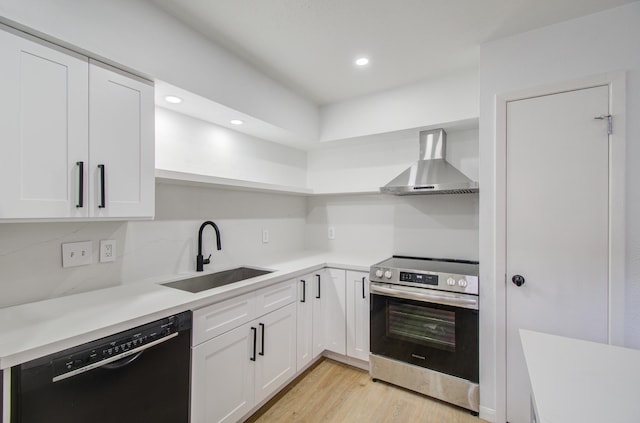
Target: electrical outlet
(77, 253)
(331, 233)
(265, 236)
(107, 250)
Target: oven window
(422, 325)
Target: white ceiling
(310, 45)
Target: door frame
(616, 81)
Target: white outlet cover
(331, 232)
(77, 253)
(107, 250)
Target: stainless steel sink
(215, 280)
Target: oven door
(432, 329)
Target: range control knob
(379, 273)
(387, 274)
(462, 283)
(451, 281)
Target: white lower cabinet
(276, 351)
(234, 371)
(304, 309)
(223, 377)
(358, 315)
(333, 303)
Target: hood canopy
(432, 174)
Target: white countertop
(33, 330)
(581, 381)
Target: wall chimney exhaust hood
(432, 174)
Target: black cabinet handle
(363, 278)
(304, 291)
(255, 338)
(262, 342)
(318, 294)
(80, 184)
(102, 200)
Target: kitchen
(365, 223)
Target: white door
(43, 130)
(319, 343)
(222, 377)
(121, 144)
(333, 292)
(276, 361)
(358, 315)
(557, 225)
(304, 322)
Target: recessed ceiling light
(173, 99)
(236, 122)
(362, 61)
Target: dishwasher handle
(109, 363)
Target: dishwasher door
(140, 375)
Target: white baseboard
(488, 414)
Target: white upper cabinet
(121, 144)
(62, 116)
(43, 128)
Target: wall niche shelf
(164, 176)
(172, 177)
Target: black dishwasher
(139, 375)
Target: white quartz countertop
(581, 381)
(33, 330)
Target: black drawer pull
(255, 338)
(363, 296)
(304, 291)
(262, 342)
(80, 184)
(318, 294)
(101, 205)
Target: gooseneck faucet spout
(200, 260)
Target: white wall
(443, 226)
(30, 253)
(185, 144)
(437, 101)
(140, 36)
(595, 44)
(370, 162)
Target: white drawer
(221, 317)
(273, 297)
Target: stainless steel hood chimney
(432, 174)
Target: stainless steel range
(424, 327)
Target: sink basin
(215, 280)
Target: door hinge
(609, 119)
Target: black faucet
(201, 261)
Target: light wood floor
(334, 392)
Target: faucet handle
(207, 260)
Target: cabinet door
(358, 315)
(304, 308)
(318, 337)
(215, 319)
(276, 362)
(333, 311)
(121, 143)
(276, 296)
(43, 129)
(222, 377)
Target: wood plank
(335, 392)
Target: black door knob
(518, 280)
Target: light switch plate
(265, 236)
(77, 253)
(107, 250)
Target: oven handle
(428, 297)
